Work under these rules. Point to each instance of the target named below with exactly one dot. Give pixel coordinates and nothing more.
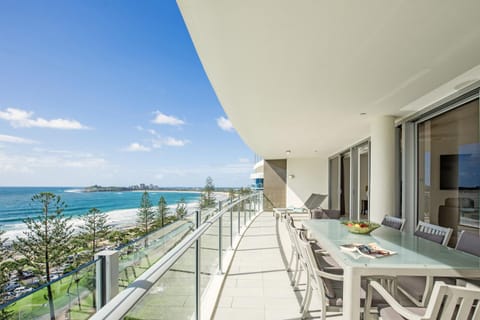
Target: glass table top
(411, 251)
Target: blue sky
(110, 93)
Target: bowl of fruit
(360, 227)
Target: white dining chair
(433, 232)
(418, 288)
(446, 302)
(393, 222)
(468, 242)
(295, 255)
(323, 278)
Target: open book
(371, 250)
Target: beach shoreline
(120, 219)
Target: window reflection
(449, 169)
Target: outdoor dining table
(413, 256)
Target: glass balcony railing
(169, 274)
(73, 298)
(139, 255)
(185, 282)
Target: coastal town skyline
(110, 95)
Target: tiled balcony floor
(258, 284)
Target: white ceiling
(295, 75)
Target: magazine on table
(371, 250)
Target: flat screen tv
(460, 172)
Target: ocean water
(16, 204)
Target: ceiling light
(288, 152)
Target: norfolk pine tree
(46, 241)
(162, 211)
(94, 228)
(145, 215)
(181, 209)
(5, 268)
(208, 199)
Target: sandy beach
(118, 219)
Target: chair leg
(308, 300)
(368, 303)
(299, 275)
(289, 268)
(308, 291)
(294, 277)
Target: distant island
(151, 187)
(139, 187)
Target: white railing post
(220, 235)
(244, 213)
(198, 298)
(238, 208)
(107, 277)
(231, 224)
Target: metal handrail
(122, 303)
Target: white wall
(311, 176)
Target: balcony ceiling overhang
(296, 75)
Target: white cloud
(161, 118)
(225, 124)
(22, 118)
(135, 147)
(172, 142)
(168, 141)
(43, 158)
(244, 160)
(13, 139)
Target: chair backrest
(433, 233)
(453, 302)
(469, 242)
(393, 222)
(288, 225)
(292, 233)
(321, 279)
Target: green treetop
(181, 209)
(162, 211)
(46, 242)
(145, 214)
(208, 198)
(94, 228)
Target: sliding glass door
(349, 180)
(448, 169)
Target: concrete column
(382, 174)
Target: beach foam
(118, 219)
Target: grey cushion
(325, 261)
(415, 285)
(469, 243)
(390, 314)
(319, 214)
(332, 214)
(430, 236)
